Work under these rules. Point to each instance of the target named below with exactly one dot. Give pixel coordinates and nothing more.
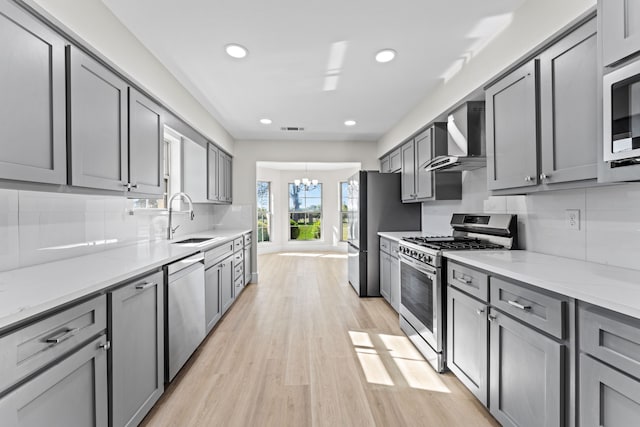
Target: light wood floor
(301, 349)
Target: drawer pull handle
(106, 346)
(492, 317)
(518, 305)
(480, 311)
(464, 281)
(62, 336)
(145, 285)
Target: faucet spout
(185, 196)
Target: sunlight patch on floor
(416, 371)
(313, 255)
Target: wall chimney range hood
(465, 140)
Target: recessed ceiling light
(350, 123)
(266, 121)
(385, 55)
(236, 51)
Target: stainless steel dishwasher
(185, 311)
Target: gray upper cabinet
(424, 153)
(568, 107)
(218, 175)
(526, 375)
(212, 173)
(385, 166)
(408, 180)
(98, 133)
(72, 392)
(395, 160)
(224, 177)
(146, 154)
(32, 111)
(137, 349)
(512, 135)
(620, 29)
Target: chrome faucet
(185, 196)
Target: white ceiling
(289, 42)
(310, 166)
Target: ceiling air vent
(291, 129)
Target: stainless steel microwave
(621, 113)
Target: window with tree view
(263, 189)
(344, 211)
(305, 212)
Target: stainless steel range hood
(465, 140)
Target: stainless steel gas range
(423, 276)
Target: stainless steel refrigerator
(373, 205)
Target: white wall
(96, 25)
(531, 24)
(331, 226)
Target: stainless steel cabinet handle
(492, 317)
(62, 336)
(145, 285)
(106, 346)
(518, 305)
(544, 176)
(528, 178)
(464, 281)
(480, 311)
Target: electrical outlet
(572, 218)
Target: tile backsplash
(609, 223)
(39, 227)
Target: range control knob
(414, 253)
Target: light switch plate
(572, 218)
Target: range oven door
(421, 300)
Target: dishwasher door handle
(177, 266)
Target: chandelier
(305, 183)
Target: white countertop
(397, 235)
(30, 291)
(615, 288)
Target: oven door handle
(423, 269)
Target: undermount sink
(193, 240)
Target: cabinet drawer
(238, 270)
(31, 348)
(248, 239)
(393, 248)
(611, 337)
(468, 280)
(213, 256)
(238, 244)
(536, 308)
(385, 245)
(238, 283)
(238, 257)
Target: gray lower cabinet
(467, 342)
(227, 284)
(620, 29)
(512, 134)
(390, 272)
(73, 392)
(609, 368)
(607, 396)
(98, 118)
(525, 374)
(394, 273)
(385, 276)
(247, 257)
(212, 294)
(137, 349)
(32, 111)
(568, 108)
(146, 145)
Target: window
(263, 193)
(305, 212)
(344, 211)
(159, 203)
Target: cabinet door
(620, 29)
(212, 290)
(526, 375)
(395, 160)
(607, 396)
(424, 153)
(385, 278)
(467, 342)
(32, 111)
(568, 113)
(228, 178)
(146, 145)
(247, 265)
(512, 130)
(408, 172)
(98, 115)
(227, 285)
(213, 165)
(137, 349)
(222, 177)
(71, 393)
(394, 275)
(194, 170)
(384, 165)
